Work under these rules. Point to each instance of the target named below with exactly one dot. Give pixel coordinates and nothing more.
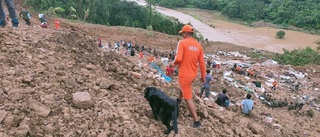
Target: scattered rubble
(58, 83)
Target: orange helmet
(186, 28)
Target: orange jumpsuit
(250, 72)
(150, 59)
(141, 55)
(238, 68)
(189, 56)
(56, 23)
(275, 83)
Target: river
(261, 37)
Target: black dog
(163, 107)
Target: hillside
(42, 69)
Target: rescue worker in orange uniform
(274, 85)
(250, 72)
(189, 56)
(150, 58)
(239, 69)
(57, 23)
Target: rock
(125, 117)
(70, 83)
(11, 120)
(3, 114)
(42, 50)
(22, 133)
(85, 72)
(15, 91)
(238, 131)
(2, 134)
(49, 128)
(150, 75)
(103, 134)
(96, 89)
(9, 42)
(41, 110)
(203, 113)
(24, 124)
(11, 72)
(156, 82)
(136, 69)
(153, 128)
(27, 79)
(82, 100)
(89, 67)
(136, 74)
(256, 129)
(15, 94)
(106, 125)
(39, 70)
(154, 71)
(61, 73)
(105, 83)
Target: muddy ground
(258, 35)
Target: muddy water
(262, 37)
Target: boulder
(41, 110)
(9, 42)
(11, 121)
(3, 114)
(136, 69)
(256, 129)
(27, 79)
(103, 134)
(105, 83)
(203, 113)
(82, 100)
(15, 94)
(136, 75)
(70, 83)
(2, 134)
(89, 67)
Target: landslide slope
(42, 68)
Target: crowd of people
(24, 14)
(189, 56)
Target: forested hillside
(301, 13)
(106, 12)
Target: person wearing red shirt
(170, 71)
(141, 54)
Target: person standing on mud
(189, 56)
(57, 23)
(12, 12)
(170, 70)
(42, 18)
(206, 85)
(25, 16)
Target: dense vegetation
(280, 34)
(301, 13)
(107, 12)
(299, 57)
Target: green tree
(54, 11)
(299, 57)
(300, 13)
(280, 34)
